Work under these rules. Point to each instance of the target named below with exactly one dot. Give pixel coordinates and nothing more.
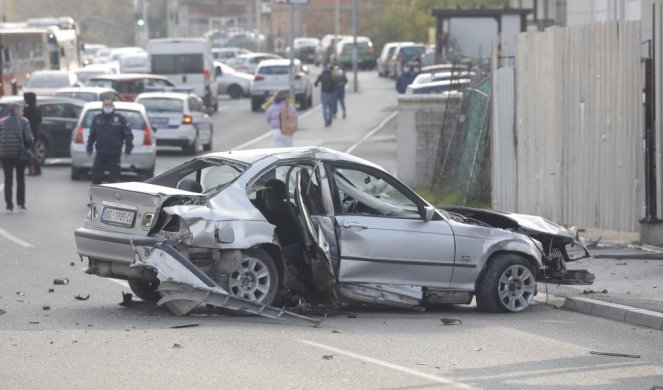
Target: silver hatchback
(248, 229)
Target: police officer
(109, 131)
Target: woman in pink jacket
(274, 106)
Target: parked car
(143, 156)
(326, 48)
(129, 85)
(365, 52)
(248, 228)
(405, 53)
(180, 120)
(117, 53)
(248, 63)
(84, 74)
(423, 78)
(274, 75)
(59, 118)
(89, 94)
(226, 53)
(305, 49)
(46, 82)
(230, 82)
(439, 87)
(134, 63)
(443, 68)
(383, 61)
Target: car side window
(369, 193)
(52, 110)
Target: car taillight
(206, 74)
(147, 136)
(369, 51)
(298, 77)
(344, 53)
(79, 136)
(258, 78)
(187, 119)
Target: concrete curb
(593, 307)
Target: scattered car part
(127, 299)
(61, 281)
(615, 354)
(2, 312)
(81, 298)
(184, 326)
(46, 308)
(451, 321)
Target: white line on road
(269, 133)
(371, 133)
(16, 240)
(389, 365)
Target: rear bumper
(141, 158)
(110, 246)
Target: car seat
(278, 212)
(190, 185)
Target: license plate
(159, 122)
(118, 217)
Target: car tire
(147, 291)
(255, 104)
(256, 279)
(508, 284)
(208, 146)
(41, 150)
(192, 149)
(235, 91)
(76, 173)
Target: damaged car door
(385, 235)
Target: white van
(188, 63)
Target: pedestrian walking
(33, 115)
(108, 132)
(327, 93)
(15, 137)
(282, 118)
(340, 80)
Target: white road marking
(371, 133)
(15, 239)
(393, 366)
(269, 133)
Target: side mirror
(429, 213)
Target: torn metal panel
(184, 287)
(389, 295)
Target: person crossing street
(327, 93)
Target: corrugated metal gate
(578, 127)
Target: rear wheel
(508, 285)
(145, 290)
(235, 91)
(256, 278)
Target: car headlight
(146, 223)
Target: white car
(273, 76)
(180, 120)
(134, 63)
(248, 63)
(231, 82)
(142, 158)
(47, 82)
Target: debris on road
(20, 294)
(615, 354)
(177, 345)
(478, 349)
(51, 290)
(82, 298)
(451, 321)
(184, 326)
(61, 281)
(328, 357)
(34, 322)
(46, 308)
(336, 331)
(72, 264)
(592, 291)
(127, 299)
(2, 312)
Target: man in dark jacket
(33, 115)
(15, 135)
(108, 132)
(327, 93)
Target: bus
(26, 48)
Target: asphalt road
(51, 340)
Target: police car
(180, 120)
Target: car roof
(276, 62)
(58, 72)
(86, 89)
(251, 55)
(250, 156)
(165, 94)
(128, 76)
(118, 105)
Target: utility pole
(291, 41)
(258, 7)
(354, 45)
(337, 16)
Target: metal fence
(578, 127)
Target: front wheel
(256, 278)
(235, 91)
(508, 285)
(41, 150)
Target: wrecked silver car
(249, 230)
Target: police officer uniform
(107, 134)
